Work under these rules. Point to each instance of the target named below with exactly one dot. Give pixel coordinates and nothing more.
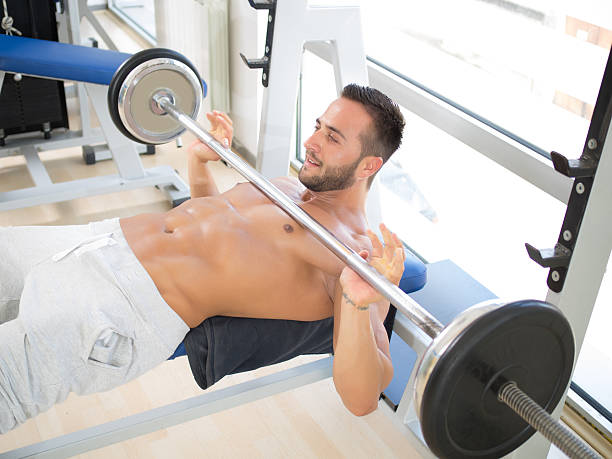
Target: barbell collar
(419, 316)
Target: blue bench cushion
(60, 61)
(225, 345)
(449, 291)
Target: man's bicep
(380, 335)
(382, 343)
(337, 312)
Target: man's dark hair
(385, 135)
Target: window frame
(511, 152)
(516, 157)
(131, 23)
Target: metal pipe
(421, 318)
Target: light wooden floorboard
(306, 422)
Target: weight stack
(31, 103)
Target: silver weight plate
(135, 95)
(441, 343)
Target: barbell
(472, 381)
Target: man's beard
(334, 179)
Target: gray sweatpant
(78, 313)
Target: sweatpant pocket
(9, 309)
(108, 363)
(111, 350)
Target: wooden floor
(307, 422)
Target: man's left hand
(388, 261)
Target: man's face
(333, 151)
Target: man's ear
(370, 165)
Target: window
(457, 204)
(530, 70)
(533, 68)
(316, 90)
(140, 14)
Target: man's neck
(351, 199)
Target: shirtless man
(110, 306)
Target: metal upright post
(71, 11)
(297, 23)
(591, 244)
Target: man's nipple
(288, 228)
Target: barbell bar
(469, 381)
(423, 319)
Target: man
(103, 303)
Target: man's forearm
(201, 182)
(361, 369)
(383, 309)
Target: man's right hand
(221, 128)
(201, 182)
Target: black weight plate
(528, 342)
(124, 70)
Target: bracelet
(349, 301)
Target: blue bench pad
(61, 61)
(449, 291)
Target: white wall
(182, 25)
(94, 3)
(245, 84)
